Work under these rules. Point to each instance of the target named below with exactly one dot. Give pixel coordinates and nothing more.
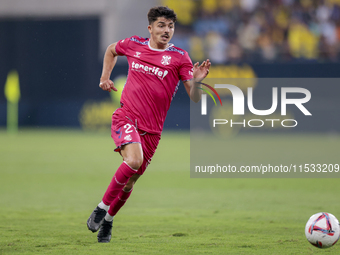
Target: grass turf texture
(51, 180)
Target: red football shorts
(124, 131)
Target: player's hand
(107, 85)
(201, 71)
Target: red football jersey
(152, 81)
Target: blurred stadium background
(57, 49)
(52, 173)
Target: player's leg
(104, 234)
(149, 145)
(128, 143)
(122, 197)
(132, 156)
(132, 159)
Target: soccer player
(155, 69)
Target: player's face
(161, 32)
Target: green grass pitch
(51, 180)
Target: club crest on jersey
(166, 60)
(137, 54)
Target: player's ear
(150, 28)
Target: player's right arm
(109, 62)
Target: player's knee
(134, 163)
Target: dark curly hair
(161, 11)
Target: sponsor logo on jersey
(191, 72)
(128, 138)
(166, 60)
(137, 55)
(149, 70)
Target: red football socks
(120, 178)
(119, 201)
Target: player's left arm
(199, 73)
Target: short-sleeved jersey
(152, 81)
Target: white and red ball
(322, 230)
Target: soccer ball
(322, 230)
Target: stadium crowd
(258, 30)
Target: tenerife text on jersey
(149, 70)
